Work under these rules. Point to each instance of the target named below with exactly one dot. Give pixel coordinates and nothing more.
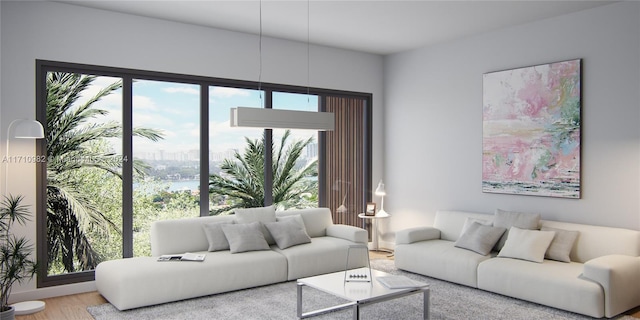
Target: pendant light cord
(308, 54)
(260, 58)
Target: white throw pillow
(479, 238)
(245, 237)
(525, 244)
(288, 233)
(262, 214)
(562, 244)
(215, 236)
(508, 219)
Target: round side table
(374, 236)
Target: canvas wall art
(531, 130)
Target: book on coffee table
(398, 282)
(182, 257)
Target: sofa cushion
(552, 283)
(262, 214)
(440, 259)
(288, 232)
(316, 220)
(560, 248)
(508, 219)
(480, 238)
(215, 235)
(529, 245)
(245, 237)
(321, 255)
(142, 281)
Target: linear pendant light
(282, 119)
(268, 118)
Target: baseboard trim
(49, 292)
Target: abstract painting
(531, 130)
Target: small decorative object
(358, 268)
(371, 209)
(531, 130)
(15, 252)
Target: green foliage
(241, 179)
(16, 265)
(75, 147)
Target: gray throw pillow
(245, 237)
(288, 233)
(508, 219)
(480, 238)
(215, 236)
(261, 214)
(562, 244)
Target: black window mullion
(268, 154)
(127, 167)
(204, 149)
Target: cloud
(224, 92)
(187, 90)
(143, 103)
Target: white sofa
(143, 281)
(602, 279)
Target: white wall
(61, 32)
(433, 119)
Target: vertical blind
(344, 160)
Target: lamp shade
(27, 129)
(380, 189)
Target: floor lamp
(22, 129)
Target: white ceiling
(380, 27)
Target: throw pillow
(560, 248)
(288, 233)
(262, 214)
(215, 236)
(245, 237)
(469, 221)
(296, 217)
(527, 245)
(480, 238)
(508, 219)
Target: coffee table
(357, 294)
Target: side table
(374, 220)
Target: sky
(173, 108)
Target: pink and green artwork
(531, 130)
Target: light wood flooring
(74, 307)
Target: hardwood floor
(74, 307)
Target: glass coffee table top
(357, 293)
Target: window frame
(128, 75)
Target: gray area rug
(278, 301)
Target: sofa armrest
(411, 235)
(619, 276)
(347, 232)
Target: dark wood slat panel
(345, 158)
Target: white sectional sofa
(602, 278)
(143, 281)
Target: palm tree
(242, 178)
(75, 142)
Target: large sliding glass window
(166, 155)
(295, 156)
(236, 160)
(127, 147)
(83, 195)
